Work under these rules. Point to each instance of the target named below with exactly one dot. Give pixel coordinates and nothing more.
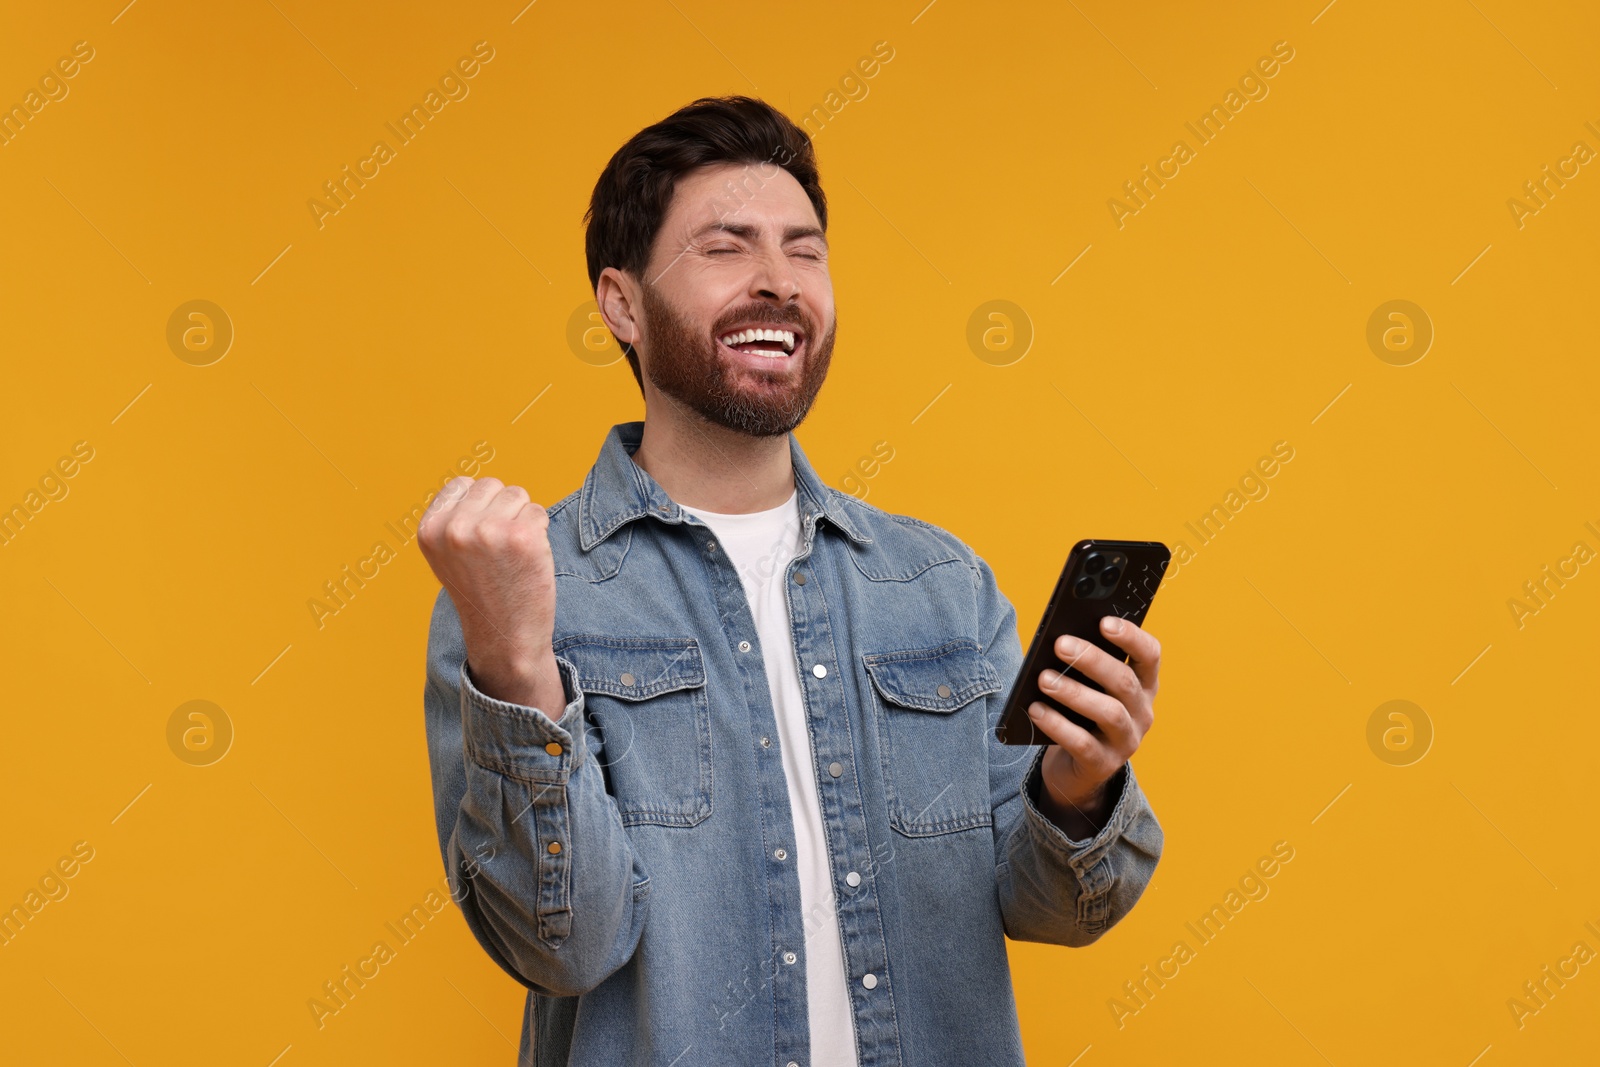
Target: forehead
(752, 193)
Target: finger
(478, 497)
(1091, 754)
(445, 498)
(1144, 651)
(1107, 711)
(452, 491)
(506, 503)
(1092, 661)
(533, 511)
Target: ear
(620, 302)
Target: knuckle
(521, 537)
(500, 533)
(457, 534)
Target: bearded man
(712, 742)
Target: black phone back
(1100, 578)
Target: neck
(703, 465)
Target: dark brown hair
(631, 198)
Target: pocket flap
(938, 679)
(633, 668)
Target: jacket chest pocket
(647, 698)
(934, 731)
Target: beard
(686, 364)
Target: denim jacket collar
(617, 491)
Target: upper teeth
(784, 336)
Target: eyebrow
(749, 232)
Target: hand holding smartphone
(1100, 578)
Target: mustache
(765, 314)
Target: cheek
(816, 296)
(702, 298)
(820, 324)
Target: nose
(775, 279)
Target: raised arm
(537, 855)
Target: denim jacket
(623, 857)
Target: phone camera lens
(1110, 576)
(1093, 562)
(1083, 587)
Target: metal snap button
(744, 646)
(800, 578)
(766, 742)
(870, 980)
(789, 957)
(944, 690)
(836, 768)
(627, 679)
(852, 879)
(820, 671)
(554, 748)
(555, 847)
(779, 853)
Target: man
(712, 742)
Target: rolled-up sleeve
(537, 856)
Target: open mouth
(763, 342)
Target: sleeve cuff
(1081, 854)
(522, 741)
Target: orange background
(1229, 313)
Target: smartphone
(1100, 578)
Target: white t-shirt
(761, 544)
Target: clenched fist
(487, 545)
